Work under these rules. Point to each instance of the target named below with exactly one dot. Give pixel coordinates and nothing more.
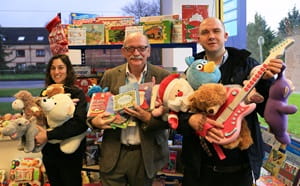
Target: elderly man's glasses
(132, 49)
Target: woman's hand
(41, 136)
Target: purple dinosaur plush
(277, 108)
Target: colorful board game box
(94, 34)
(158, 32)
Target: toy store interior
(93, 40)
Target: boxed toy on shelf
(115, 21)
(274, 161)
(289, 174)
(27, 171)
(158, 31)
(281, 164)
(76, 35)
(115, 34)
(192, 16)
(172, 17)
(94, 34)
(133, 29)
(80, 18)
(177, 32)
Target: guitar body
(232, 118)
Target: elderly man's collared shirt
(131, 135)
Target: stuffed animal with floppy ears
(22, 128)
(277, 108)
(58, 109)
(210, 99)
(28, 104)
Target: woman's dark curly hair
(71, 77)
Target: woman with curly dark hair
(64, 169)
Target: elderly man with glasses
(134, 154)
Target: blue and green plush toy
(96, 88)
(201, 71)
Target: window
(40, 53)
(3, 38)
(20, 53)
(21, 38)
(40, 38)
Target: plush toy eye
(199, 67)
(204, 62)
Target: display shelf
(93, 168)
(193, 46)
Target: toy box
(26, 171)
(158, 32)
(115, 34)
(192, 16)
(94, 34)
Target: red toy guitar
(234, 109)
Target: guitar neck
(249, 86)
(239, 96)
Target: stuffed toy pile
(208, 100)
(24, 127)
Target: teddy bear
(210, 99)
(58, 109)
(24, 129)
(173, 91)
(277, 108)
(26, 103)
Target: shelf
(193, 46)
(93, 168)
(153, 45)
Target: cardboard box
(192, 16)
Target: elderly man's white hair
(135, 35)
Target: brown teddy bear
(26, 103)
(210, 99)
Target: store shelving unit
(193, 46)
